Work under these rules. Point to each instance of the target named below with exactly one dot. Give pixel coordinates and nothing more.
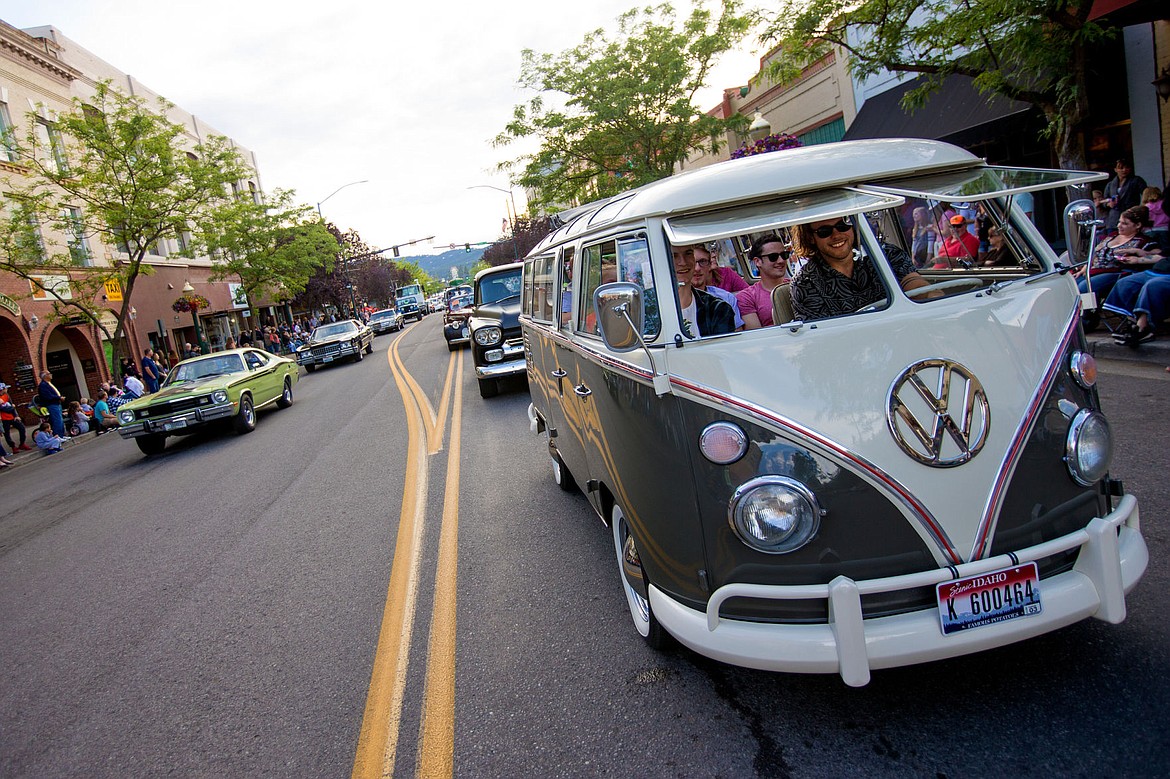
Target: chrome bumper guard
(309, 359)
(509, 366)
(1113, 556)
(192, 418)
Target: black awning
(956, 107)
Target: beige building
(41, 72)
(816, 107)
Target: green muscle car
(203, 390)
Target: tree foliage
(529, 232)
(617, 112)
(1034, 51)
(116, 170)
(274, 247)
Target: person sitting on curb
(4, 461)
(103, 418)
(46, 441)
(10, 420)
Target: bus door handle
(582, 391)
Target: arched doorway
(76, 364)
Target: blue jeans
(1142, 293)
(56, 420)
(1102, 282)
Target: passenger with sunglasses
(838, 279)
(701, 280)
(770, 257)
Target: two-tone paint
(818, 404)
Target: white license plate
(175, 425)
(989, 598)
(327, 358)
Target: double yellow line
(378, 740)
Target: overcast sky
(405, 95)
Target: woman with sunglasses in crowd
(838, 279)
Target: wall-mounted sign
(9, 305)
(113, 291)
(41, 285)
(239, 296)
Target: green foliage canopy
(114, 169)
(617, 112)
(1034, 51)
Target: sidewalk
(24, 458)
(1156, 352)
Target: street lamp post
(334, 192)
(344, 261)
(512, 216)
(203, 347)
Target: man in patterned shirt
(838, 280)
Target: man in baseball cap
(960, 249)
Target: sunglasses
(776, 256)
(825, 231)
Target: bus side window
(566, 304)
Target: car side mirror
(619, 315)
(1080, 230)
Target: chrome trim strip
(1019, 441)
(500, 369)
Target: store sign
(239, 295)
(42, 285)
(113, 291)
(9, 305)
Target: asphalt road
(218, 611)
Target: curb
(1156, 352)
(25, 458)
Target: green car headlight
(126, 417)
(219, 396)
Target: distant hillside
(438, 266)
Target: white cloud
(407, 96)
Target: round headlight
(1088, 450)
(126, 416)
(1083, 368)
(774, 514)
(219, 396)
(723, 442)
(488, 336)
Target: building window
(49, 139)
(7, 135)
(255, 193)
(75, 229)
(27, 242)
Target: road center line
(437, 729)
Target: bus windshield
(408, 290)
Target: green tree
(274, 248)
(1034, 51)
(112, 169)
(617, 112)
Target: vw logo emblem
(938, 413)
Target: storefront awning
(956, 107)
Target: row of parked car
(487, 316)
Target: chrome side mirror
(1080, 230)
(619, 315)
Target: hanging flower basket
(773, 142)
(189, 303)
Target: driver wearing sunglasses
(838, 279)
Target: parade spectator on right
(78, 421)
(999, 254)
(1143, 299)
(1155, 200)
(10, 419)
(960, 249)
(923, 236)
(1123, 192)
(1114, 258)
(134, 386)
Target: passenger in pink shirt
(726, 278)
(755, 302)
(960, 249)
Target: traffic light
(467, 247)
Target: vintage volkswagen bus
(920, 478)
